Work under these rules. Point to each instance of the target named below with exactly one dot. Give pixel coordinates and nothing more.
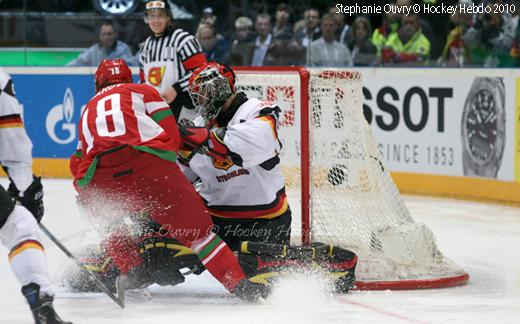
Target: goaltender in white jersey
(240, 176)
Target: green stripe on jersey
(163, 154)
(83, 182)
(209, 247)
(161, 114)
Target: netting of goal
(339, 190)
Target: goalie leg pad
(261, 258)
(95, 259)
(164, 257)
(340, 263)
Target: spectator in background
(426, 27)
(214, 46)
(389, 25)
(491, 38)
(408, 45)
(208, 18)
(364, 53)
(343, 28)
(109, 47)
(263, 41)
(311, 28)
(241, 43)
(455, 51)
(327, 51)
(515, 48)
(305, 32)
(278, 53)
(282, 29)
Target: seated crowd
(292, 36)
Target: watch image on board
(483, 128)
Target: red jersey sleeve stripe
(194, 61)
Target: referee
(167, 59)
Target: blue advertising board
(52, 105)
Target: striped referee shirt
(169, 59)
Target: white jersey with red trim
(15, 145)
(255, 189)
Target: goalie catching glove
(202, 140)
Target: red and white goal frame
(338, 189)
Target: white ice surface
(483, 238)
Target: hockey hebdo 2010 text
(425, 8)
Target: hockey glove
(184, 157)
(32, 198)
(201, 140)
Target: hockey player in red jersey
(255, 222)
(128, 140)
(18, 228)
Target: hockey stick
(119, 299)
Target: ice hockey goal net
(338, 188)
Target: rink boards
(417, 116)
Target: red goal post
(269, 93)
(338, 188)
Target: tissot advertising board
(446, 125)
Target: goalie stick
(118, 299)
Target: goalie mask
(112, 72)
(210, 86)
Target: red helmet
(210, 86)
(112, 72)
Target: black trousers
(234, 231)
